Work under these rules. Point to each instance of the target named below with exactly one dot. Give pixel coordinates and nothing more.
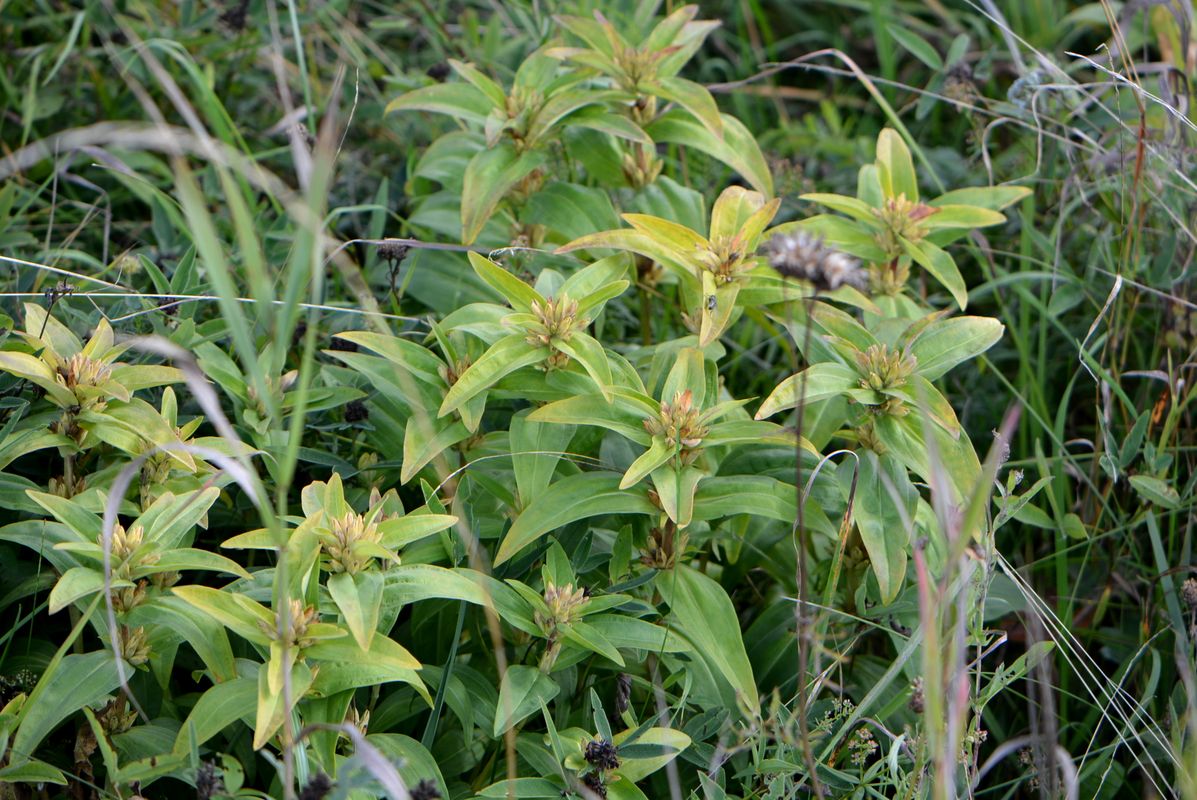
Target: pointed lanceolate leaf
(458, 100)
(942, 267)
(489, 176)
(523, 691)
(503, 358)
(587, 351)
(656, 455)
(358, 598)
(737, 148)
(520, 295)
(709, 619)
(949, 342)
(817, 382)
(587, 494)
(691, 96)
(896, 166)
(884, 513)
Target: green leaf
(493, 91)
(706, 614)
(884, 512)
(691, 96)
(523, 691)
(994, 198)
(1157, 491)
(424, 439)
(667, 742)
(818, 382)
(896, 167)
(919, 47)
(32, 771)
(503, 358)
(658, 452)
(455, 99)
(588, 638)
(675, 489)
(358, 598)
(586, 494)
(536, 449)
(589, 353)
(236, 612)
(489, 176)
(217, 708)
(520, 295)
(80, 679)
(77, 583)
(857, 209)
(946, 343)
(953, 216)
(737, 148)
(942, 267)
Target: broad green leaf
(271, 705)
(709, 619)
(186, 558)
(668, 742)
(32, 771)
(523, 691)
(896, 167)
(493, 91)
(236, 612)
(942, 267)
(588, 638)
(995, 198)
(589, 353)
(691, 96)
(217, 708)
(489, 176)
(536, 449)
(412, 759)
(919, 47)
(425, 439)
(884, 513)
(817, 382)
(921, 397)
(1157, 491)
(358, 598)
(586, 494)
(675, 489)
(504, 357)
(77, 583)
(202, 633)
(947, 343)
(78, 680)
(857, 209)
(520, 295)
(658, 452)
(624, 416)
(458, 100)
(39, 373)
(737, 148)
(398, 532)
(952, 216)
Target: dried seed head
(208, 781)
(1188, 592)
(623, 692)
(356, 411)
(806, 257)
(602, 754)
(392, 252)
(918, 700)
(594, 783)
(318, 787)
(425, 790)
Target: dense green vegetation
(576, 399)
